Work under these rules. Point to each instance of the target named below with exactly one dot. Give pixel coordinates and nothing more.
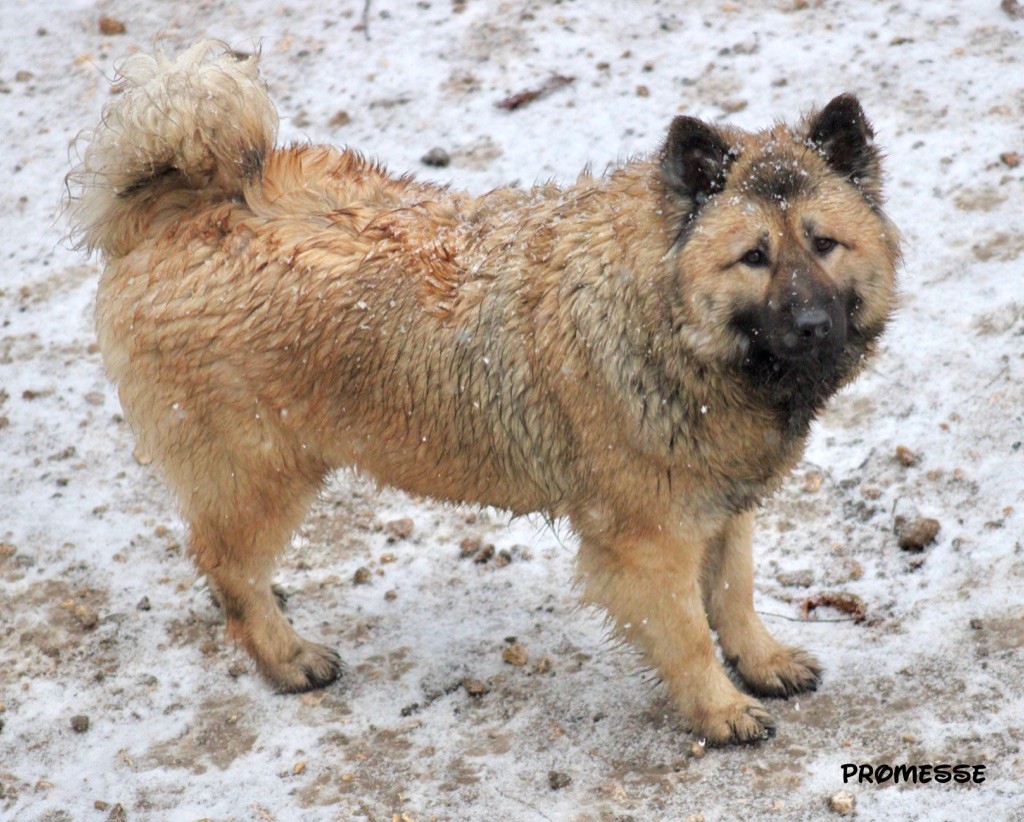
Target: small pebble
(399, 529)
(796, 579)
(976, 624)
(905, 457)
(812, 482)
(436, 158)
(340, 118)
(842, 803)
(237, 669)
(484, 555)
(362, 576)
(86, 616)
(1010, 159)
(475, 687)
(469, 546)
(916, 535)
(110, 26)
(515, 654)
(80, 723)
(391, 595)
(558, 780)
(143, 604)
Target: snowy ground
(100, 616)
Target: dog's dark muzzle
(806, 329)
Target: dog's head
(784, 264)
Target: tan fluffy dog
(642, 352)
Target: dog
(641, 352)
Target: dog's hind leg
(766, 666)
(242, 512)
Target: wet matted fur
(641, 352)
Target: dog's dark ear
(841, 133)
(695, 160)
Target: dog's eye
(823, 245)
(754, 258)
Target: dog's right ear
(695, 160)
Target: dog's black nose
(812, 325)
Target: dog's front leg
(765, 665)
(650, 583)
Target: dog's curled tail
(201, 122)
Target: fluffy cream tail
(201, 122)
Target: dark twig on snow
(554, 82)
(366, 19)
(524, 803)
(770, 615)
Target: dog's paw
(313, 666)
(741, 722)
(783, 673)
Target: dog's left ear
(695, 160)
(841, 133)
